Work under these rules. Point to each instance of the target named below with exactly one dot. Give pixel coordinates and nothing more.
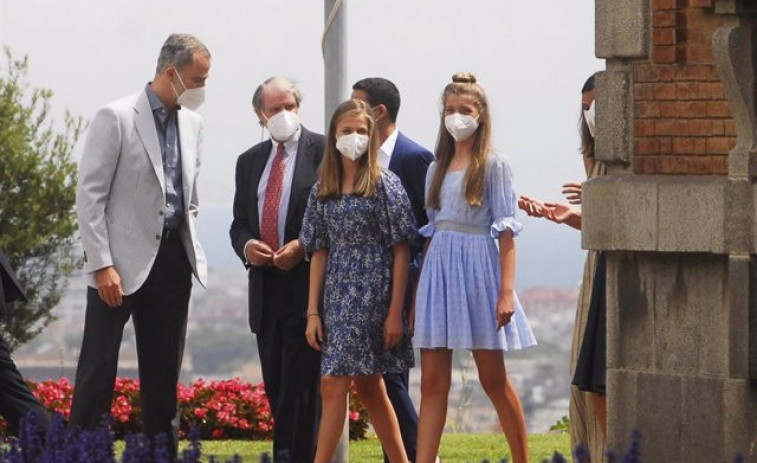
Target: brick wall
(682, 121)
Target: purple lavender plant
(13, 454)
(194, 452)
(580, 454)
(137, 449)
(32, 443)
(558, 458)
(55, 446)
(160, 450)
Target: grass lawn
(456, 448)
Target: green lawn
(455, 448)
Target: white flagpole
(334, 46)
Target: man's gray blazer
(120, 198)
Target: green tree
(37, 196)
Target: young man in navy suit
(409, 161)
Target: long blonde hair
(369, 171)
(463, 84)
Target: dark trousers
(397, 390)
(16, 400)
(397, 384)
(291, 373)
(159, 309)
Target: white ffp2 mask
(460, 126)
(352, 146)
(191, 98)
(283, 125)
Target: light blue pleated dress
(457, 294)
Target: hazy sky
(531, 57)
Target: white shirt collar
(387, 148)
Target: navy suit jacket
(10, 288)
(246, 223)
(410, 162)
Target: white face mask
(191, 98)
(283, 125)
(589, 118)
(352, 146)
(460, 126)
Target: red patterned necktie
(269, 230)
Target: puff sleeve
(396, 219)
(314, 233)
(501, 195)
(427, 231)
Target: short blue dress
(459, 284)
(359, 233)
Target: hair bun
(464, 78)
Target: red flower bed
(229, 409)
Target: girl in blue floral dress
(466, 297)
(356, 228)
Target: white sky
(531, 57)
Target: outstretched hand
(558, 212)
(572, 192)
(532, 207)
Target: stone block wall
(677, 127)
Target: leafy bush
(37, 195)
(561, 426)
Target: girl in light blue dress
(466, 296)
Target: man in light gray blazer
(136, 203)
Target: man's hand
(109, 286)
(289, 255)
(258, 253)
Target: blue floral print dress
(359, 233)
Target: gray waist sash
(445, 225)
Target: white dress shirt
(386, 149)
